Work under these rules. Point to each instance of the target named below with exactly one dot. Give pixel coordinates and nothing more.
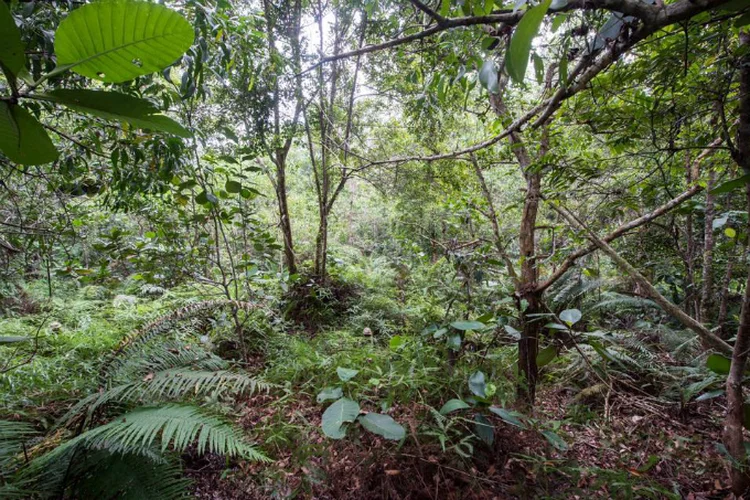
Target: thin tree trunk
(708, 252)
(285, 222)
(733, 430)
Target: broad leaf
(342, 411)
(453, 405)
(12, 339)
(718, 364)
(710, 395)
(517, 58)
(12, 55)
(546, 355)
(383, 425)
(22, 137)
(119, 107)
(233, 187)
(483, 429)
(477, 384)
(570, 316)
(731, 185)
(508, 416)
(467, 325)
(346, 374)
(555, 440)
(328, 394)
(118, 40)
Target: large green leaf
(510, 417)
(11, 48)
(718, 364)
(467, 325)
(477, 384)
(570, 316)
(731, 185)
(520, 44)
(453, 405)
(119, 107)
(546, 355)
(22, 137)
(346, 374)
(118, 40)
(383, 425)
(342, 411)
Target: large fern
(173, 426)
(90, 473)
(170, 385)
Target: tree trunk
(708, 252)
(531, 300)
(285, 222)
(733, 430)
(321, 246)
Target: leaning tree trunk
(733, 430)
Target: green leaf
(118, 107)
(477, 384)
(22, 137)
(346, 374)
(467, 325)
(728, 186)
(488, 76)
(508, 416)
(118, 40)
(718, 364)
(396, 342)
(453, 405)
(329, 393)
(555, 440)
(710, 395)
(12, 55)
(546, 355)
(383, 425)
(520, 43)
(233, 187)
(12, 339)
(731, 233)
(538, 68)
(483, 429)
(342, 411)
(454, 342)
(570, 316)
(555, 326)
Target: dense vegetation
(374, 249)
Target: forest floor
(638, 452)
(627, 442)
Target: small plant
(481, 402)
(346, 411)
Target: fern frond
(130, 477)
(79, 472)
(617, 302)
(163, 356)
(165, 323)
(176, 426)
(171, 385)
(12, 437)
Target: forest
(361, 249)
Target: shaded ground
(644, 450)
